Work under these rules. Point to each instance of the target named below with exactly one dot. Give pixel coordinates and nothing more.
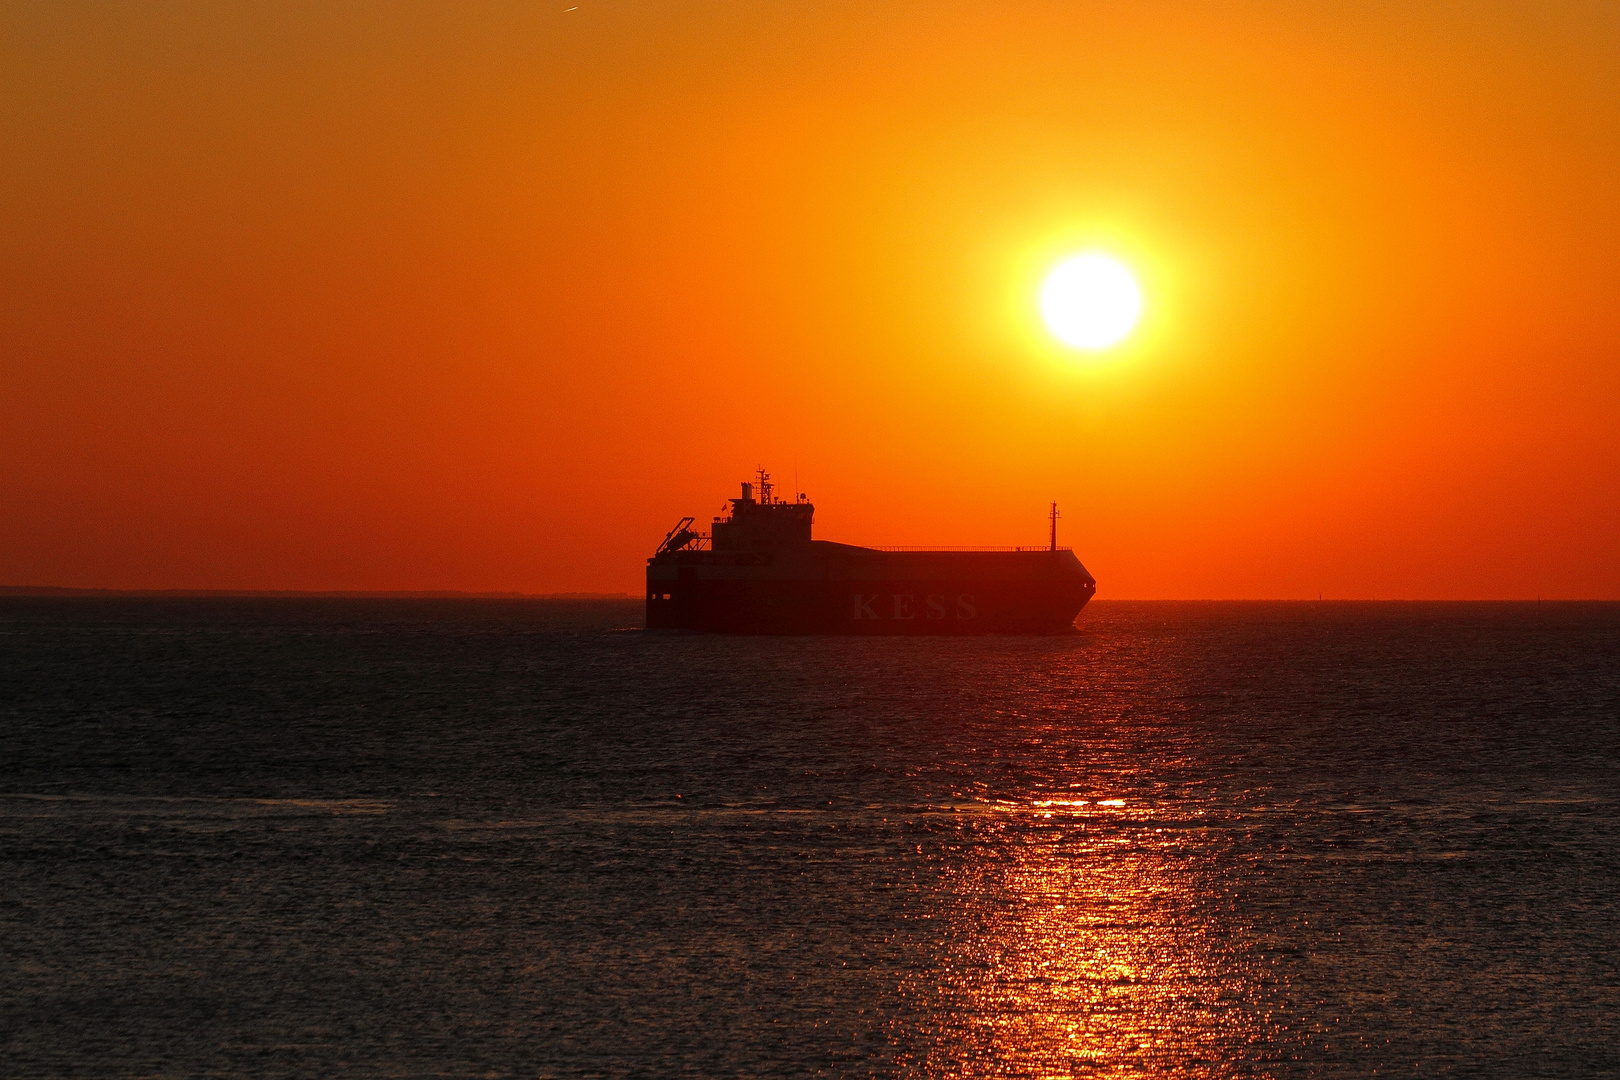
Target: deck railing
(1041, 547)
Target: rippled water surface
(481, 838)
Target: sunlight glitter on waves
(1076, 954)
(1043, 803)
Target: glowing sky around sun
(419, 296)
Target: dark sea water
(489, 838)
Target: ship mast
(1054, 518)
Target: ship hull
(838, 589)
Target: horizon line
(346, 594)
(468, 594)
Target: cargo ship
(758, 571)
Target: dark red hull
(837, 589)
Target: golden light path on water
(1077, 940)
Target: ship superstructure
(758, 570)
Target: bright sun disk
(1090, 301)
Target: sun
(1090, 301)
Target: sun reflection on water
(1080, 940)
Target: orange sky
(485, 296)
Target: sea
(384, 837)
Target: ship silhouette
(758, 571)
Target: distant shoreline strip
(336, 594)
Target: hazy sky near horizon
(484, 296)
